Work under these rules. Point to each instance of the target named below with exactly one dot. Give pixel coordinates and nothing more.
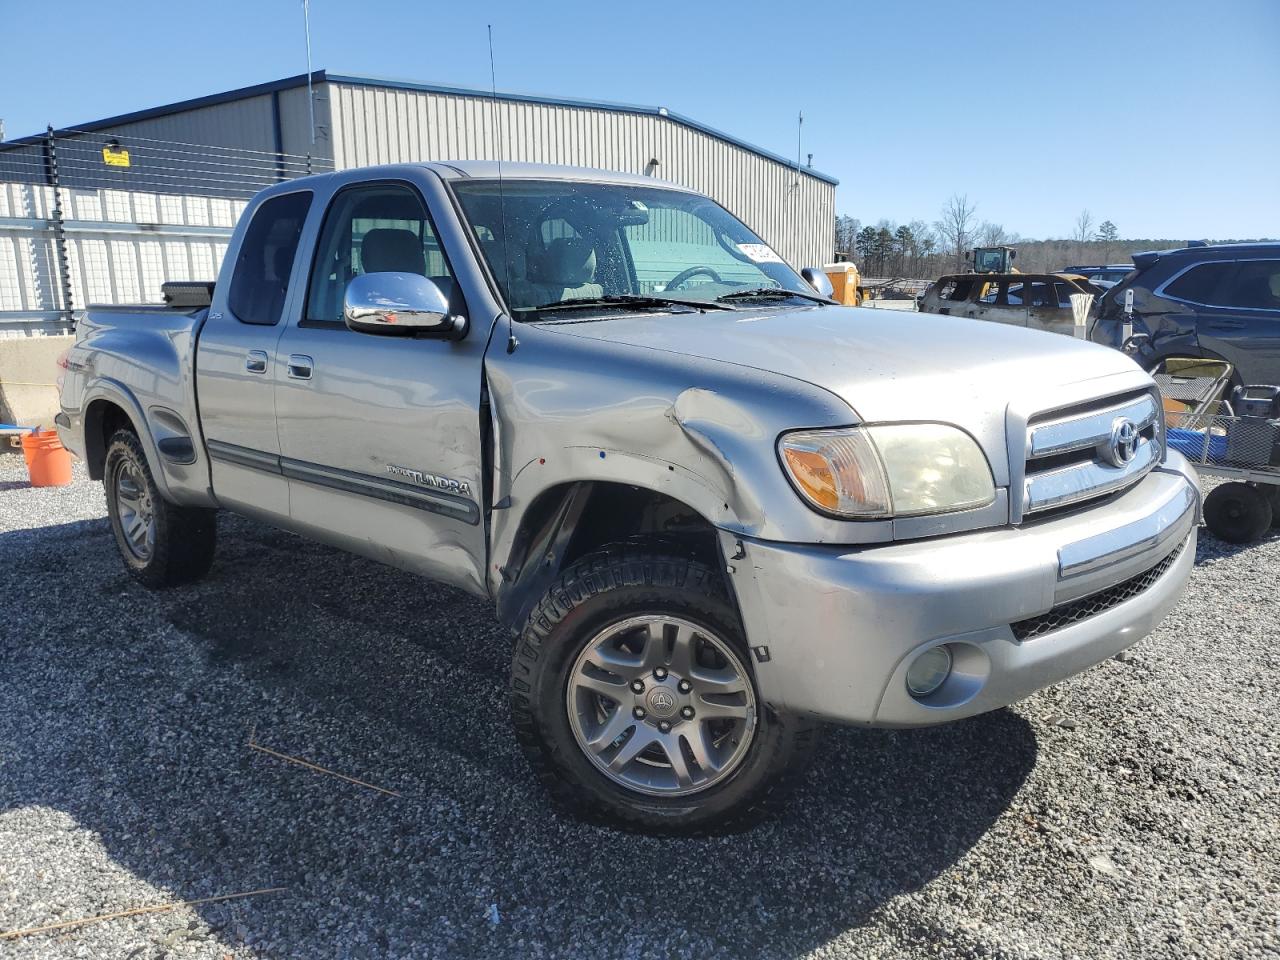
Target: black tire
(1272, 493)
(622, 581)
(181, 550)
(1237, 512)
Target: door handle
(1225, 324)
(300, 366)
(255, 361)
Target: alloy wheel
(661, 706)
(135, 510)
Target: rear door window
(997, 294)
(1204, 283)
(1255, 286)
(260, 279)
(1042, 295)
(1063, 292)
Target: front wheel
(634, 699)
(162, 545)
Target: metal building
(77, 227)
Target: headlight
(888, 470)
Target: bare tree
(957, 226)
(992, 234)
(1084, 228)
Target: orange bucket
(48, 462)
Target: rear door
(1046, 299)
(1000, 301)
(380, 435)
(1195, 298)
(235, 375)
(1243, 325)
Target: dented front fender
(567, 409)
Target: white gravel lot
(1130, 812)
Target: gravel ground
(1133, 811)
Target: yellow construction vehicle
(993, 260)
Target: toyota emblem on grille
(1124, 442)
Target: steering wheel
(684, 275)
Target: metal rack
(1224, 442)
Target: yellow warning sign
(119, 157)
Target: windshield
(570, 241)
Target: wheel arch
(568, 520)
(110, 405)
(103, 416)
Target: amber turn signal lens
(813, 474)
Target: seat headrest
(391, 250)
(282, 262)
(567, 262)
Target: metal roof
(322, 76)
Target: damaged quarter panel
(570, 408)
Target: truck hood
(896, 365)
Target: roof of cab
(491, 170)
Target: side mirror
(820, 282)
(398, 304)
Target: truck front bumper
(834, 629)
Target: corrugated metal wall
(371, 124)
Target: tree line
(921, 250)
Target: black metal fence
(92, 160)
(89, 217)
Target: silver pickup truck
(716, 508)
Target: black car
(1221, 302)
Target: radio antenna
(499, 144)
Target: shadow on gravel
(1209, 547)
(129, 711)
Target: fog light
(929, 671)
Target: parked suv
(1220, 302)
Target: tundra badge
(447, 484)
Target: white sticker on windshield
(759, 253)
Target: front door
(380, 435)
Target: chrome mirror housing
(398, 303)
(817, 278)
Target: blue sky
(1161, 115)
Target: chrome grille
(1074, 456)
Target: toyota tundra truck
(716, 509)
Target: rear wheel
(634, 700)
(162, 545)
(1238, 512)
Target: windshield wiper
(772, 293)
(630, 301)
